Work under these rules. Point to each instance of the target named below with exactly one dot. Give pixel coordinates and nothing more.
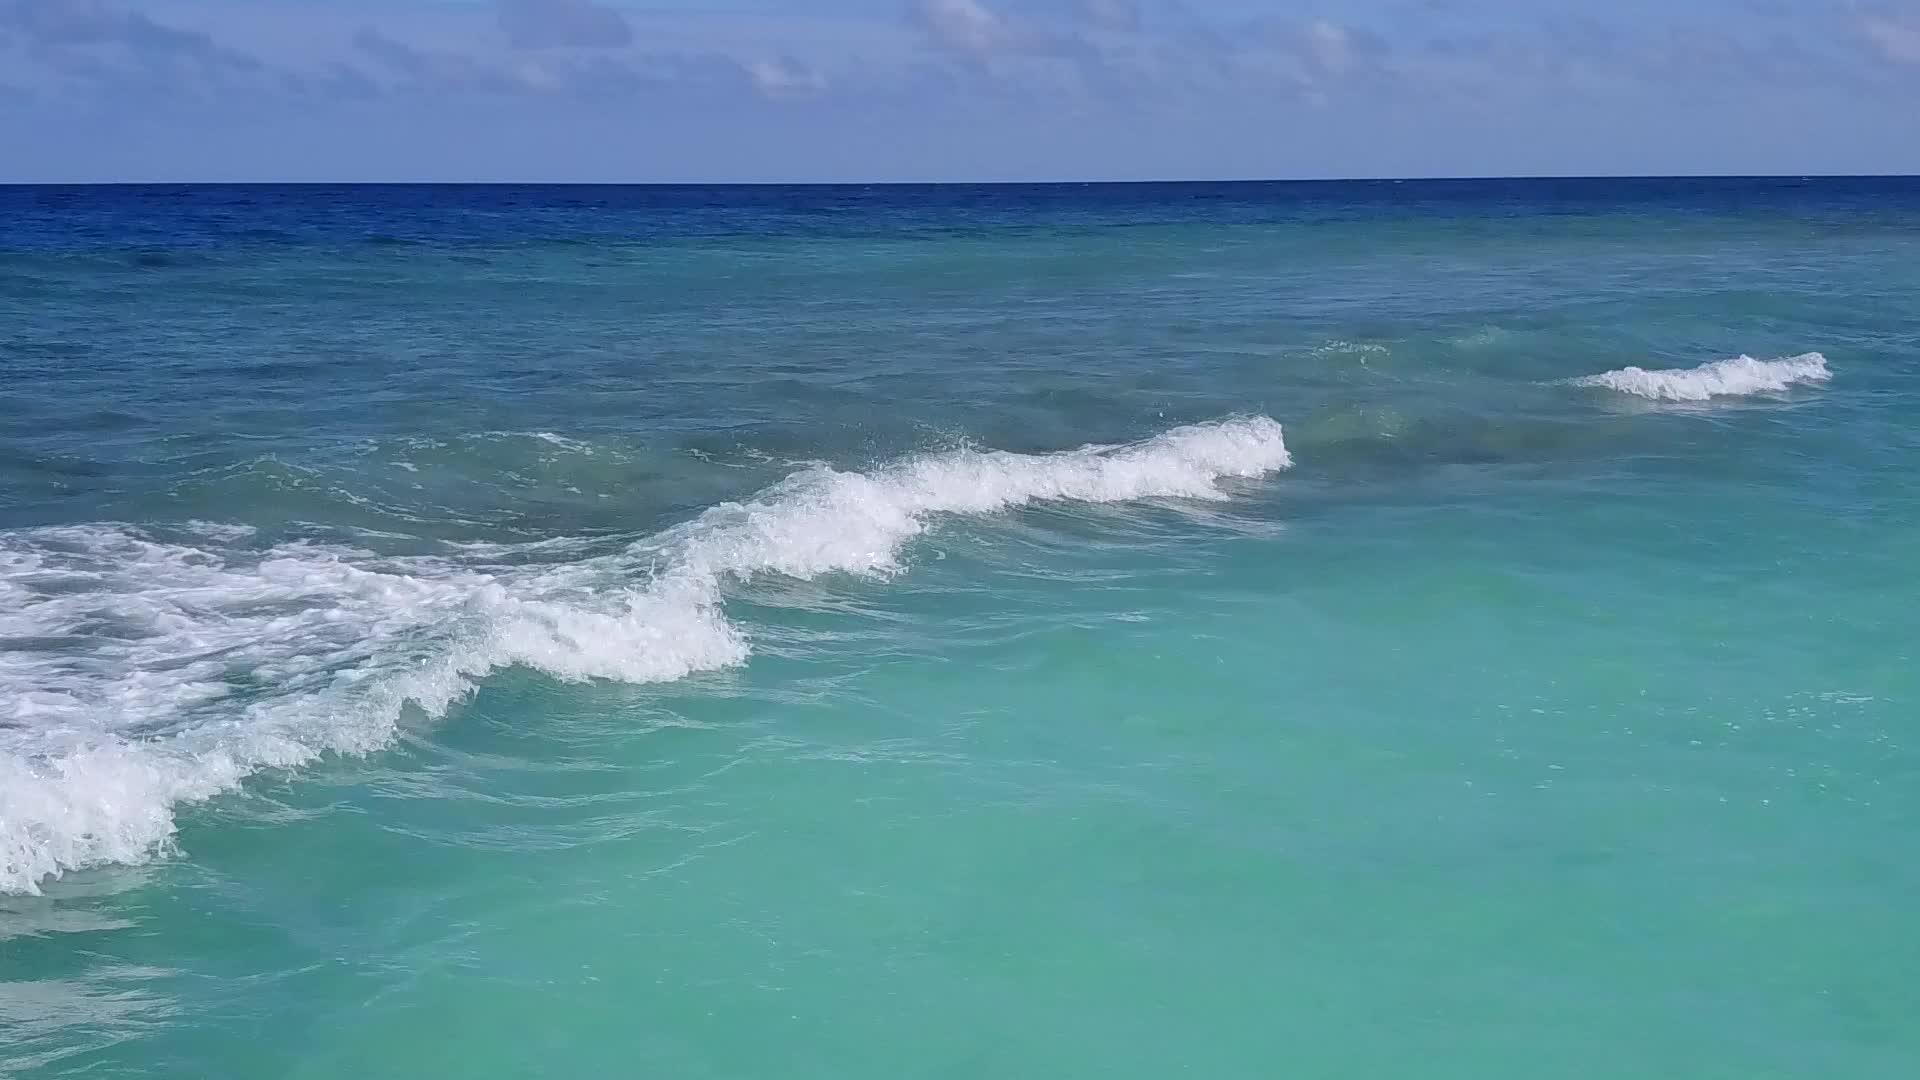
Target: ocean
(1440, 629)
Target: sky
(930, 90)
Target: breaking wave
(1739, 376)
(140, 674)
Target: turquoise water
(1216, 630)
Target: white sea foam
(1739, 376)
(562, 442)
(1359, 349)
(137, 675)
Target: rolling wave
(1738, 377)
(140, 674)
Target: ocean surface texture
(1430, 629)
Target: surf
(149, 673)
(1740, 376)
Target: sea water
(1444, 629)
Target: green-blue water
(1205, 630)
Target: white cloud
(1896, 40)
(1129, 54)
(784, 77)
(1331, 45)
(966, 25)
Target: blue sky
(760, 90)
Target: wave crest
(1740, 376)
(141, 675)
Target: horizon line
(1169, 181)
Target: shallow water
(1337, 629)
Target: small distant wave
(562, 442)
(139, 674)
(1482, 338)
(1360, 349)
(1737, 377)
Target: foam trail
(1739, 376)
(141, 675)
